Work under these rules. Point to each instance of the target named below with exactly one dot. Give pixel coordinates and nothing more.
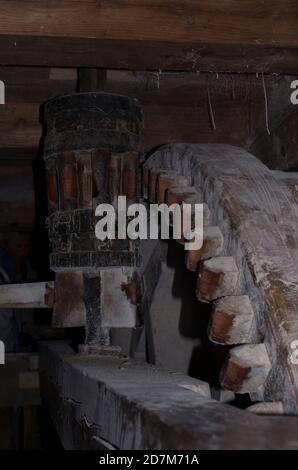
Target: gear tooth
(169, 180)
(232, 320)
(218, 277)
(212, 246)
(246, 368)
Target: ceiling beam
(235, 36)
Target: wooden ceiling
(174, 56)
(176, 107)
(210, 35)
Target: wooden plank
(175, 105)
(137, 406)
(230, 22)
(37, 84)
(20, 125)
(129, 34)
(173, 124)
(144, 55)
(29, 295)
(26, 88)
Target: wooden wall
(25, 89)
(16, 195)
(178, 107)
(20, 132)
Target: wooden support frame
(123, 405)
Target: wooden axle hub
(91, 149)
(91, 152)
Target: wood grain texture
(32, 295)
(137, 406)
(229, 35)
(145, 55)
(175, 106)
(229, 22)
(256, 212)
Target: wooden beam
(26, 88)
(151, 20)
(131, 406)
(143, 55)
(231, 35)
(33, 295)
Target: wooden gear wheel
(247, 268)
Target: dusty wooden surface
(114, 403)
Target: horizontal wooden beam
(239, 36)
(228, 22)
(111, 403)
(32, 295)
(145, 55)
